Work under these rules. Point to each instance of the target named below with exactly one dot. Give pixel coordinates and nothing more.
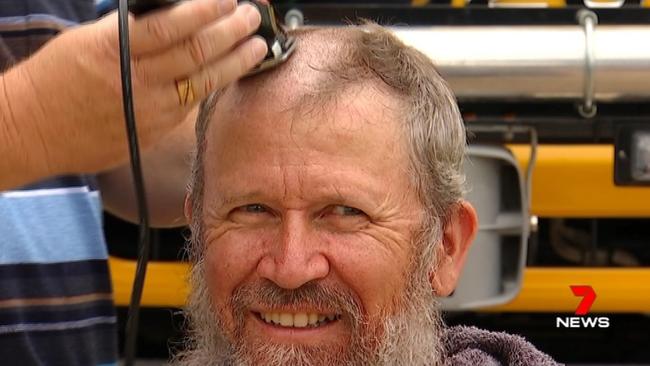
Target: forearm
(22, 145)
(166, 168)
(165, 188)
(50, 124)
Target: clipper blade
(281, 53)
(280, 45)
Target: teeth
(297, 320)
(286, 320)
(300, 320)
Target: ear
(187, 208)
(458, 234)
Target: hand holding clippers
(280, 45)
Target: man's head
(326, 208)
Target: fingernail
(254, 17)
(226, 6)
(258, 47)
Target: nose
(295, 257)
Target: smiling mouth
(297, 320)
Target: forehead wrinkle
(287, 187)
(346, 133)
(290, 191)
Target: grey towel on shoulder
(470, 346)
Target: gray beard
(412, 337)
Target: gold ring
(185, 92)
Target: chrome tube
(533, 62)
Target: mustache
(316, 295)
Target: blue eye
(255, 208)
(253, 214)
(346, 211)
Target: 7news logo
(581, 320)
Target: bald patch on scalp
(321, 68)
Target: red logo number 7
(588, 297)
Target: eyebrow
(231, 198)
(331, 194)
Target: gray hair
(433, 126)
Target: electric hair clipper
(280, 45)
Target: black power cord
(144, 246)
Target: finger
(226, 70)
(208, 45)
(166, 27)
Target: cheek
(230, 261)
(374, 273)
